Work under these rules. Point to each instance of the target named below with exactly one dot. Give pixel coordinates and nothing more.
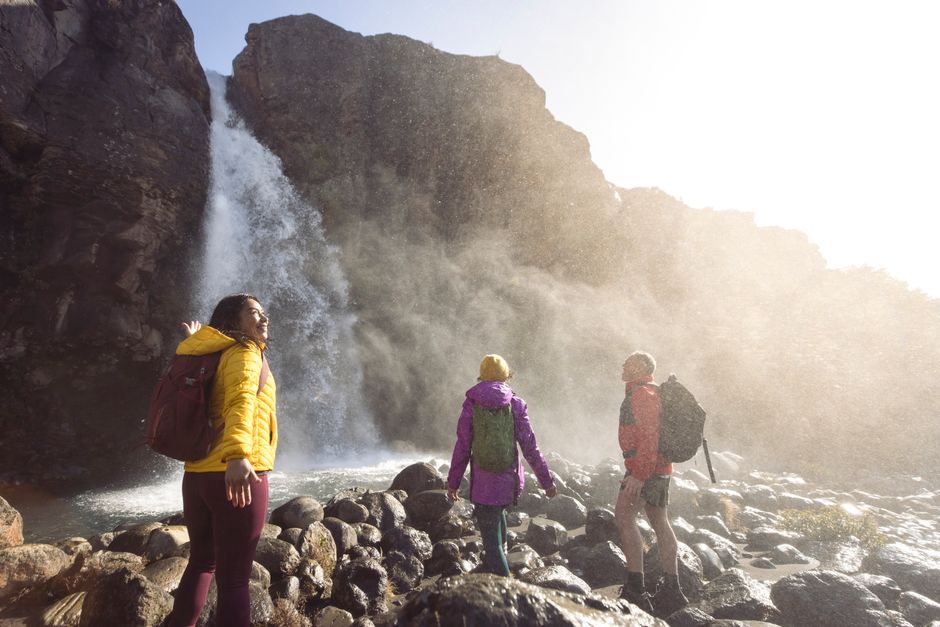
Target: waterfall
(262, 237)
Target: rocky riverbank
(772, 549)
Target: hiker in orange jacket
(646, 484)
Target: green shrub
(831, 524)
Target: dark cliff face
(103, 175)
(470, 221)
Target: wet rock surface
(299, 573)
(483, 600)
(827, 598)
(104, 156)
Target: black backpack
(682, 422)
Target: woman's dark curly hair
(225, 315)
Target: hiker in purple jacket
(493, 421)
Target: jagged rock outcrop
(471, 221)
(103, 174)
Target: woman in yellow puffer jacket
(225, 494)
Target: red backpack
(178, 423)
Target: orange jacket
(639, 430)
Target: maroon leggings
(222, 541)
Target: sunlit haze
(819, 116)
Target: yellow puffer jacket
(249, 417)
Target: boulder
(884, 588)
(567, 510)
(601, 526)
(760, 496)
(125, 598)
(298, 512)
(711, 563)
(133, 539)
(409, 541)
(11, 525)
(405, 571)
(788, 500)
(278, 557)
(331, 616)
(347, 510)
(260, 574)
(316, 543)
(88, 569)
(425, 507)
(912, 568)
(417, 478)
(286, 588)
(522, 558)
(919, 609)
(682, 528)
(385, 511)
(368, 535)
(787, 554)
(827, 597)
(556, 578)
(717, 500)
(270, 531)
(66, 612)
(314, 583)
(605, 565)
(713, 523)
(343, 534)
(446, 560)
(450, 526)
(27, 565)
(691, 570)
(73, 547)
(751, 518)
(165, 541)
(479, 600)
(723, 546)
(766, 538)
(291, 535)
(736, 595)
(545, 536)
(166, 573)
(844, 556)
(360, 587)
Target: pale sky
(820, 115)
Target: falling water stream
(261, 237)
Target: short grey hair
(647, 360)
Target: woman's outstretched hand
(452, 494)
(191, 327)
(239, 475)
(551, 491)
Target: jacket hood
(204, 341)
(490, 394)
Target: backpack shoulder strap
(265, 372)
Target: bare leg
(665, 538)
(630, 537)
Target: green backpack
(494, 438)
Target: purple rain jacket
(491, 488)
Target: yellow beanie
(494, 368)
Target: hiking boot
(639, 599)
(668, 599)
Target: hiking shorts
(655, 490)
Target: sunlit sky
(820, 115)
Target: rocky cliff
(103, 171)
(471, 221)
